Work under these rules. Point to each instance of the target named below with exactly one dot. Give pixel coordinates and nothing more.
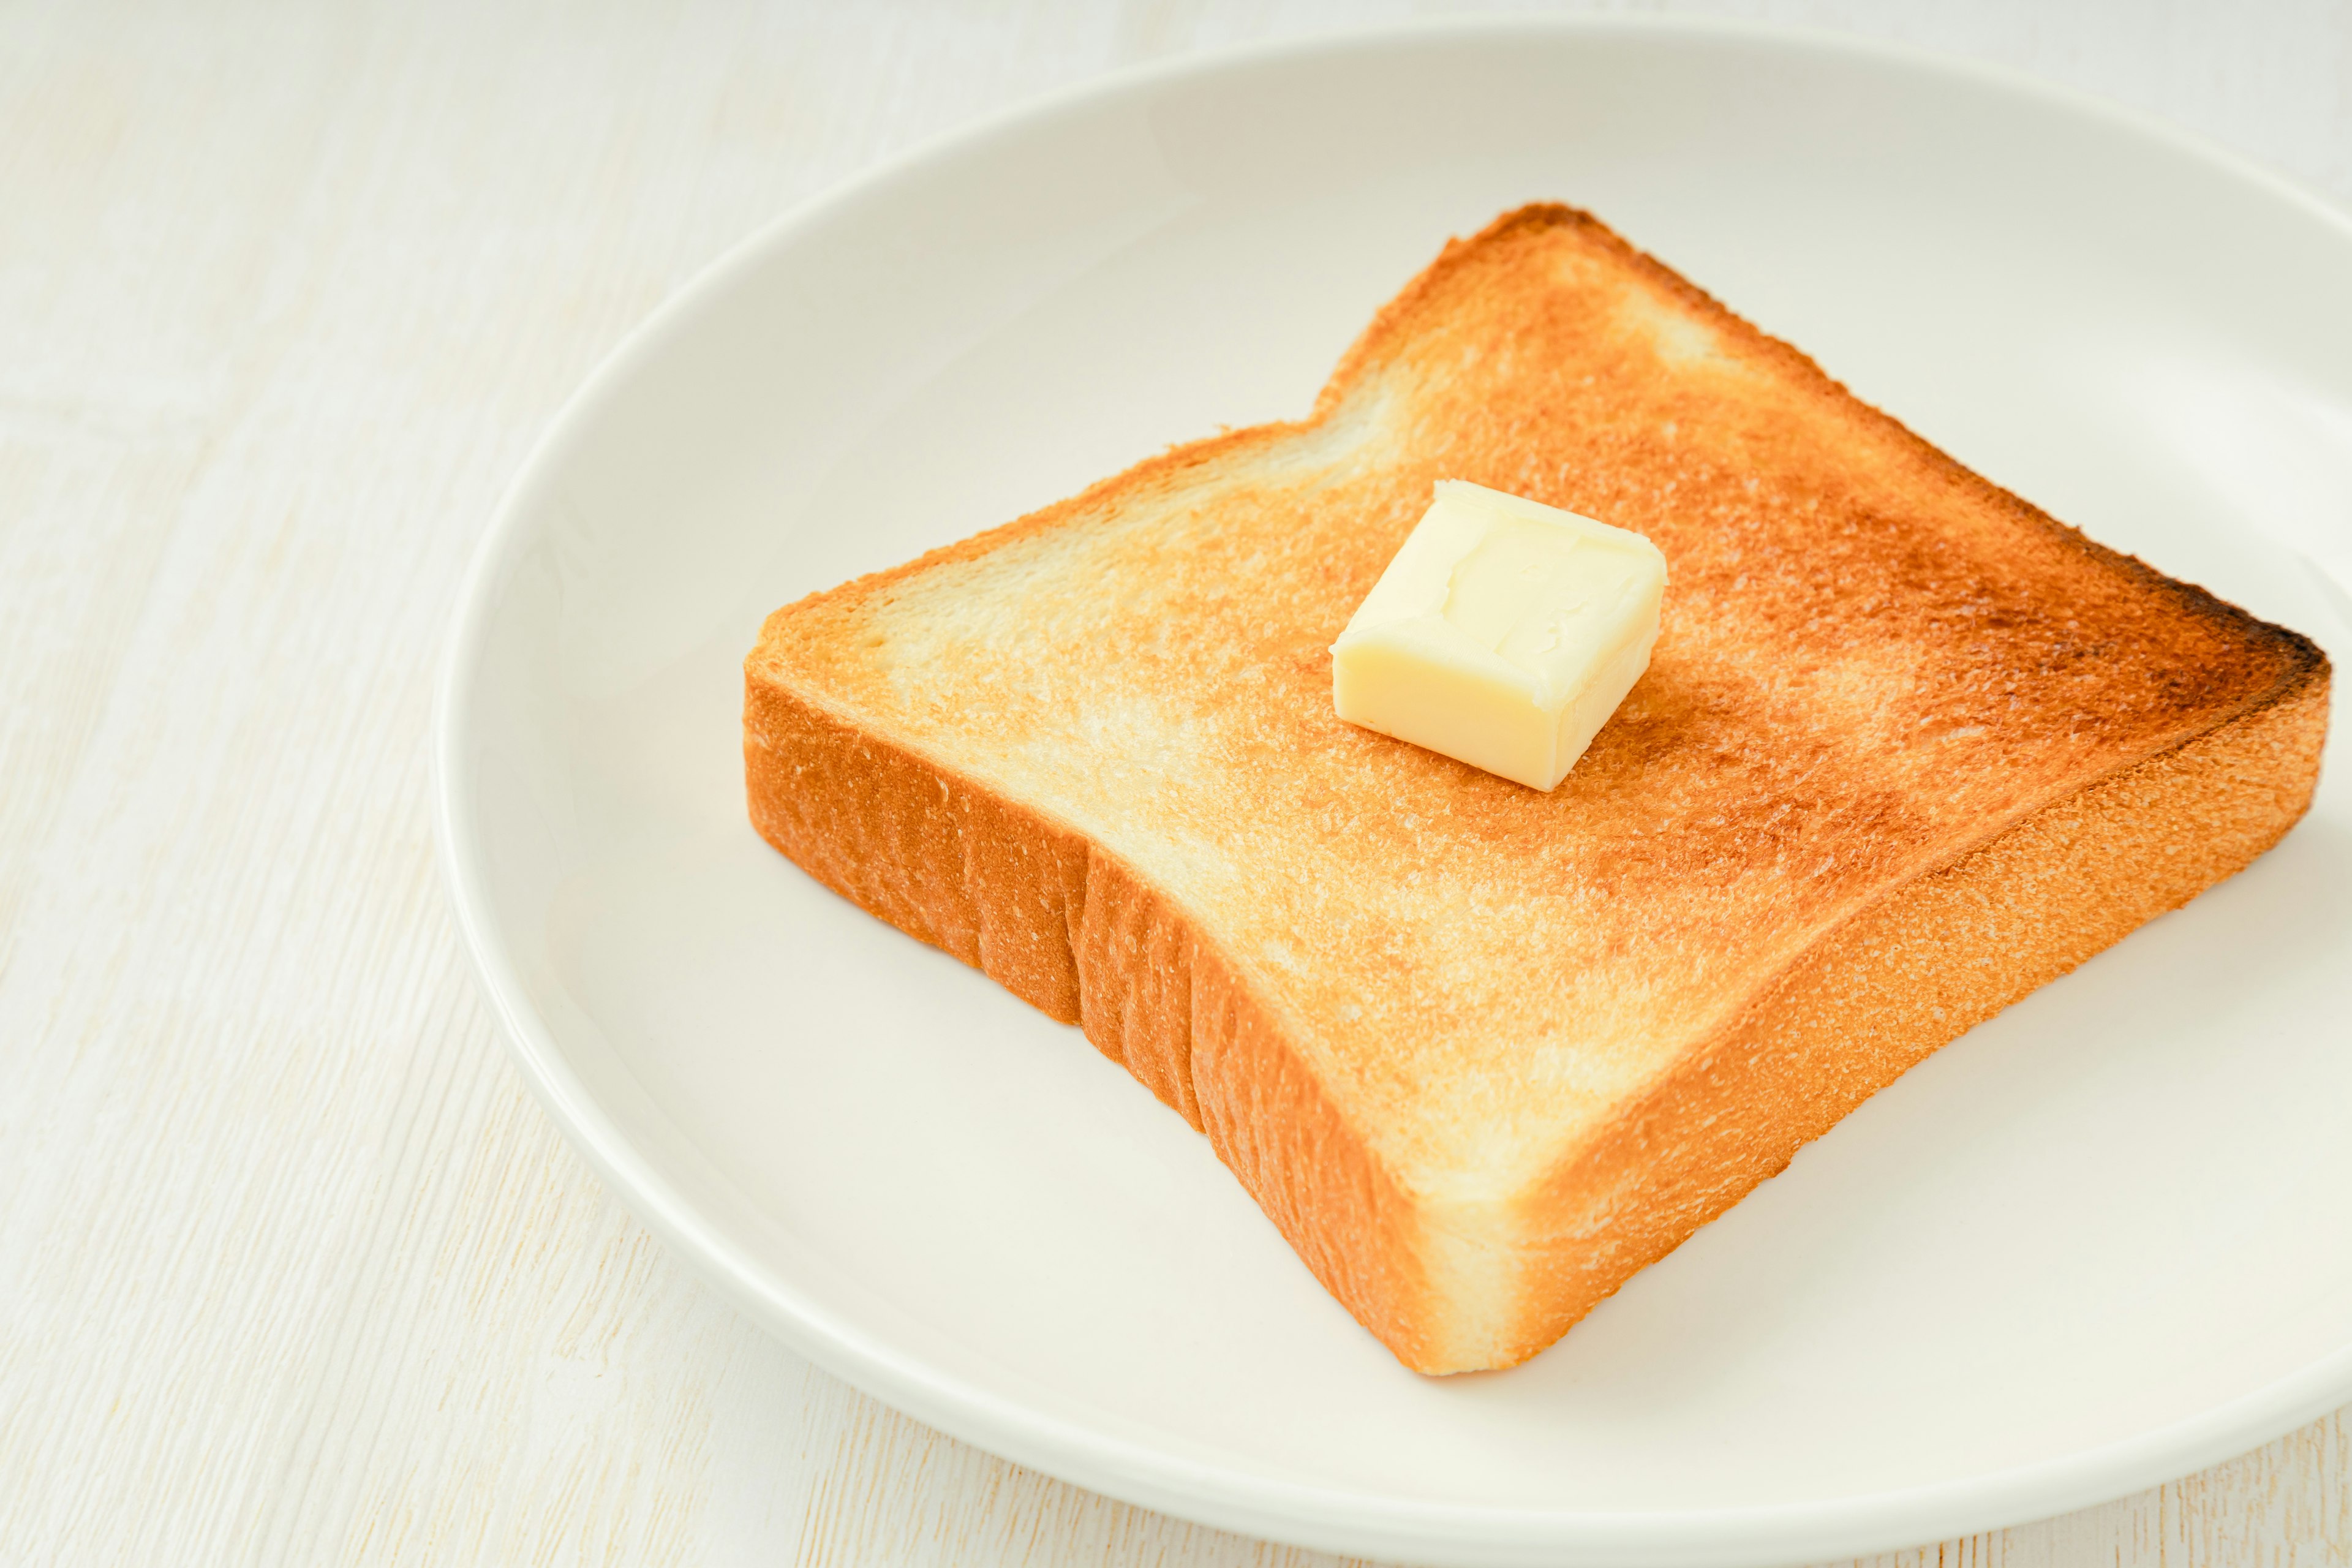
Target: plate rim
(1224, 1497)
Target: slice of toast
(1907, 750)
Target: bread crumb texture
(1907, 749)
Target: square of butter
(1504, 633)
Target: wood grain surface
(291, 1268)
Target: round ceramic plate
(2099, 1242)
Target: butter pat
(1504, 633)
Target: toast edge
(1070, 930)
(1889, 987)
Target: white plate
(2106, 1240)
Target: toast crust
(2157, 740)
(1886, 990)
(1064, 926)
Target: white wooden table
(291, 1268)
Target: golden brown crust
(1889, 695)
(1080, 937)
(1069, 930)
(1889, 987)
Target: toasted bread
(1907, 750)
